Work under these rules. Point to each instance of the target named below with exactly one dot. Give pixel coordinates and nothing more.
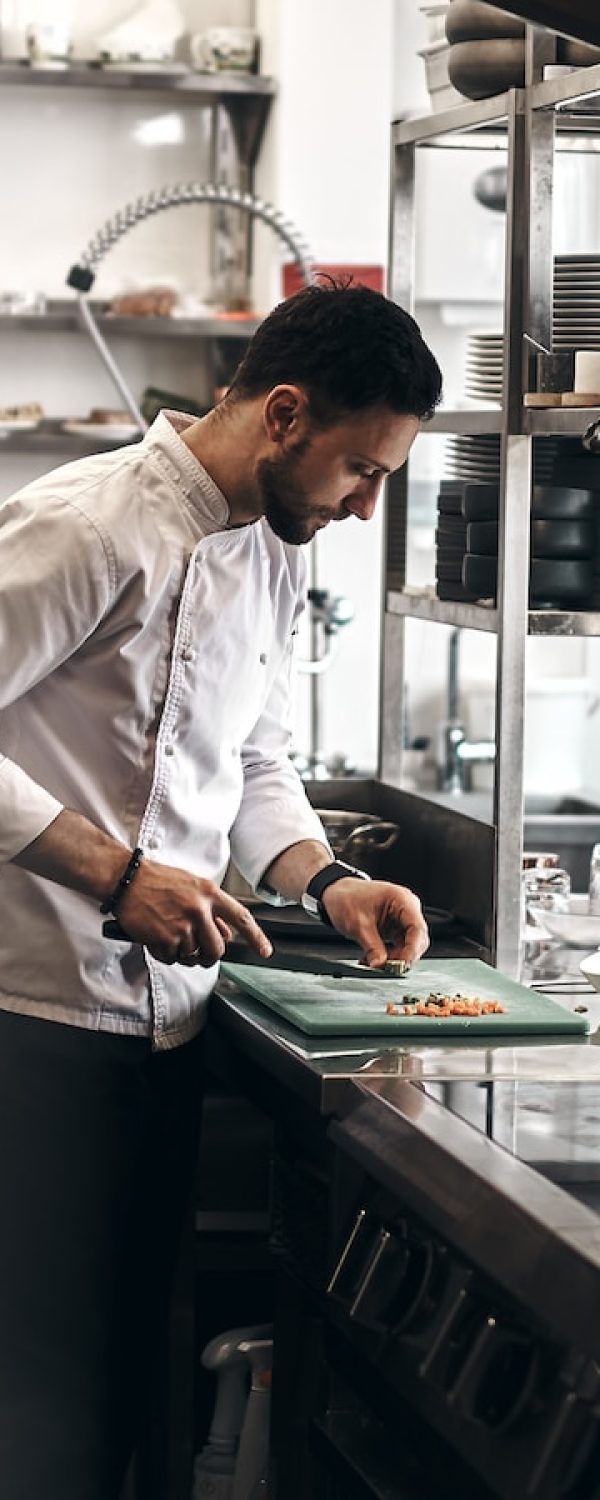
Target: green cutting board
(325, 1006)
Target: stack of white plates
(476, 460)
(576, 302)
(483, 367)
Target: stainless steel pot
(356, 835)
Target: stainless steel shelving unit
(529, 122)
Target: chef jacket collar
(200, 489)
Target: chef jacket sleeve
(57, 578)
(275, 811)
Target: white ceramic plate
(24, 424)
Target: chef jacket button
(154, 843)
(188, 654)
(169, 749)
(263, 658)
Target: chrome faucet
(456, 755)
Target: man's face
(332, 473)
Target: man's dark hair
(350, 348)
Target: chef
(149, 601)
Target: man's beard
(286, 505)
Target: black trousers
(98, 1142)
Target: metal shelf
(564, 622)
(556, 421)
(578, 85)
(553, 421)
(462, 118)
(181, 80)
(49, 437)
(478, 420)
(582, 83)
(61, 317)
(423, 604)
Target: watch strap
(337, 870)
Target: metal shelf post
(400, 287)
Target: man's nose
(362, 503)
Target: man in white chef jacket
(149, 599)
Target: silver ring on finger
(184, 956)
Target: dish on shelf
(25, 424)
(110, 432)
(22, 417)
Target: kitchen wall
(326, 162)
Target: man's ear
(285, 414)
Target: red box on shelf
(371, 276)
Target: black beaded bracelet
(112, 901)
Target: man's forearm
(74, 853)
(290, 873)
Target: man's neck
(225, 445)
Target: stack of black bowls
(574, 465)
(563, 544)
(451, 543)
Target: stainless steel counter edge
(277, 1047)
(319, 1070)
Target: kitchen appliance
(322, 1005)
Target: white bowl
(574, 931)
(590, 968)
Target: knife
(308, 962)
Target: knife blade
(310, 961)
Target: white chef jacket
(145, 657)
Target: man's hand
(385, 919)
(181, 918)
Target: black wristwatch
(312, 900)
